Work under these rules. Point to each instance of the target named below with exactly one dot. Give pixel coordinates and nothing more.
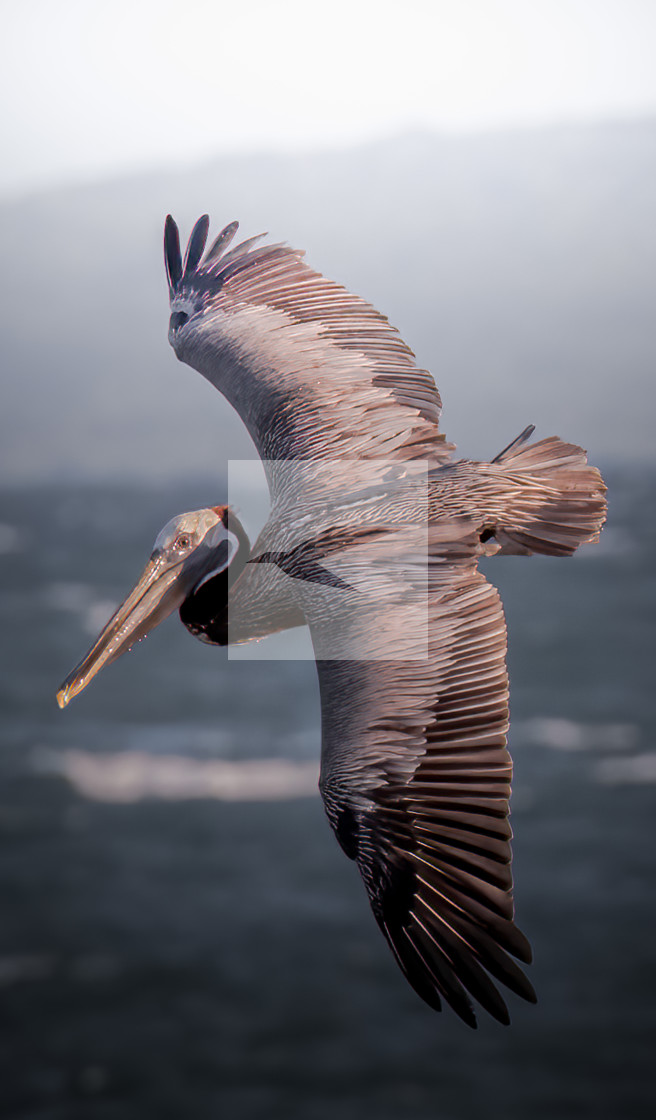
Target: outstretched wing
(416, 781)
(314, 371)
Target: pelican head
(190, 550)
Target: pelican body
(373, 540)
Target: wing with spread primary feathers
(416, 781)
(314, 371)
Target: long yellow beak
(157, 594)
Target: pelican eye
(182, 542)
(178, 319)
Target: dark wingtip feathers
(196, 245)
(172, 257)
(176, 269)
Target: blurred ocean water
(181, 935)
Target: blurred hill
(520, 267)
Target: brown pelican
(415, 774)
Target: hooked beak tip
(63, 697)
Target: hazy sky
(90, 89)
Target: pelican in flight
(373, 539)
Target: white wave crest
(640, 769)
(568, 735)
(129, 776)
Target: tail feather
(552, 501)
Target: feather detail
(172, 257)
(196, 245)
(427, 749)
(515, 443)
(243, 248)
(220, 243)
